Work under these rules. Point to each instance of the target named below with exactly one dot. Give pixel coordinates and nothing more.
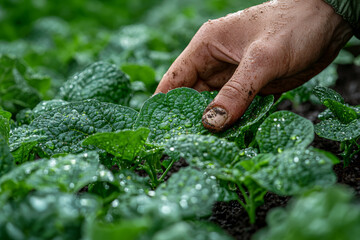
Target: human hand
(268, 49)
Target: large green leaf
(253, 115)
(101, 81)
(47, 216)
(125, 144)
(168, 115)
(193, 191)
(66, 174)
(335, 130)
(26, 116)
(283, 130)
(329, 214)
(324, 93)
(204, 152)
(65, 127)
(293, 171)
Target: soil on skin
(234, 219)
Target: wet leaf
(6, 159)
(125, 144)
(65, 127)
(66, 174)
(168, 115)
(101, 81)
(283, 130)
(335, 130)
(293, 171)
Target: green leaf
(335, 130)
(47, 216)
(5, 124)
(344, 113)
(255, 112)
(101, 81)
(26, 116)
(324, 93)
(168, 115)
(283, 130)
(209, 96)
(125, 144)
(6, 159)
(294, 171)
(204, 152)
(18, 87)
(129, 229)
(329, 214)
(66, 174)
(65, 127)
(141, 73)
(193, 191)
(344, 58)
(192, 230)
(23, 141)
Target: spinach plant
(281, 163)
(339, 122)
(328, 214)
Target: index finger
(182, 73)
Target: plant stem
(167, 170)
(249, 204)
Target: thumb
(235, 96)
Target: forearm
(350, 11)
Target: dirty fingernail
(215, 117)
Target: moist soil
(234, 219)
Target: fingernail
(215, 117)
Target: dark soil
(234, 219)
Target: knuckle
(234, 91)
(263, 54)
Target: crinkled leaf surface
(168, 115)
(259, 107)
(283, 130)
(332, 211)
(193, 191)
(66, 174)
(209, 96)
(23, 141)
(342, 112)
(101, 81)
(333, 129)
(125, 144)
(205, 152)
(47, 216)
(6, 159)
(66, 126)
(324, 93)
(294, 171)
(26, 116)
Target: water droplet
(115, 203)
(172, 149)
(296, 159)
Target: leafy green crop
(340, 122)
(167, 115)
(86, 151)
(330, 214)
(66, 126)
(19, 86)
(101, 81)
(283, 164)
